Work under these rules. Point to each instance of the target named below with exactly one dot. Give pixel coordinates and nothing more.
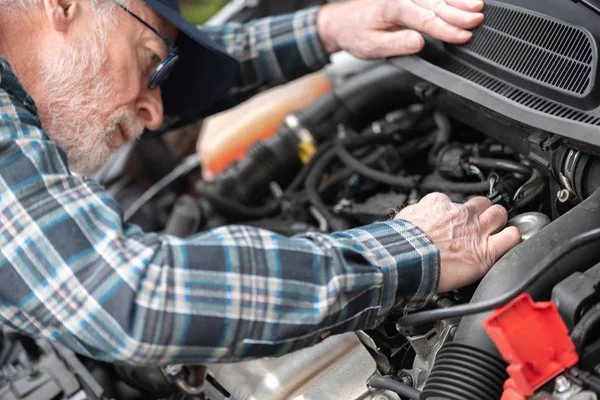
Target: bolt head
(563, 196)
(562, 384)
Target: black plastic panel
(539, 53)
(509, 92)
(517, 94)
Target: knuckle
(462, 212)
(516, 234)
(500, 211)
(436, 197)
(439, 6)
(427, 18)
(391, 10)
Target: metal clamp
(177, 374)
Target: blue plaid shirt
(72, 271)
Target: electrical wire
(188, 164)
(312, 193)
(343, 174)
(545, 264)
(301, 176)
(389, 383)
(405, 182)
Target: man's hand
(371, 28)
(469, 236)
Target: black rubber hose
(341, 175)
(360, 100)
(511, 269)
(463, 373)
(503, 165)
(404, 182)
(223, 204)
(301, 176)
(389, 383)
(537, 272)
(311, 185)
(435, 183)
(584, 327)
(442, 135)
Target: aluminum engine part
(335, 369)
(564, 389)
(529, 223)
(427, 347)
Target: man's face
(94, 82)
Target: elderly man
(78, 78)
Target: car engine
(514, 115)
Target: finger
(452, 15)
(466, 5)
(492, 219)
(477, 205)
(397, 43)
(501, 243)
(424, 20)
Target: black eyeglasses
(164, 68)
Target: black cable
(350, 161)
(357, 140)
(545, 264)
(504, 165)
(583, 329)
(442, 135)
(439, 184)
(236, 209)
(312, 193)
(389, 383)
(188, 164)
(343, 174)
(301, 176)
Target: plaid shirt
(72, 271)
(273, 50)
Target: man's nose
(149, 108)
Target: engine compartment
(466, 121)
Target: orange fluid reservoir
(227, 136)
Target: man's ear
(61, 13)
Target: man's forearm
(273, 50)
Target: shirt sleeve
(73, 272)
(273, 50)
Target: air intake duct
(462, 372)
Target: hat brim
(204, 73)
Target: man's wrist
(326, 28)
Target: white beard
(77, 97)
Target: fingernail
(413, 41)
(465, 36)
(475, 3)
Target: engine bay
(463, 121)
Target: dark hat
(204, 72)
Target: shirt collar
(10, 83)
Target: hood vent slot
(536, 52)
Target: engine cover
(533, 61)
(538, 52)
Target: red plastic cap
(534, 340)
